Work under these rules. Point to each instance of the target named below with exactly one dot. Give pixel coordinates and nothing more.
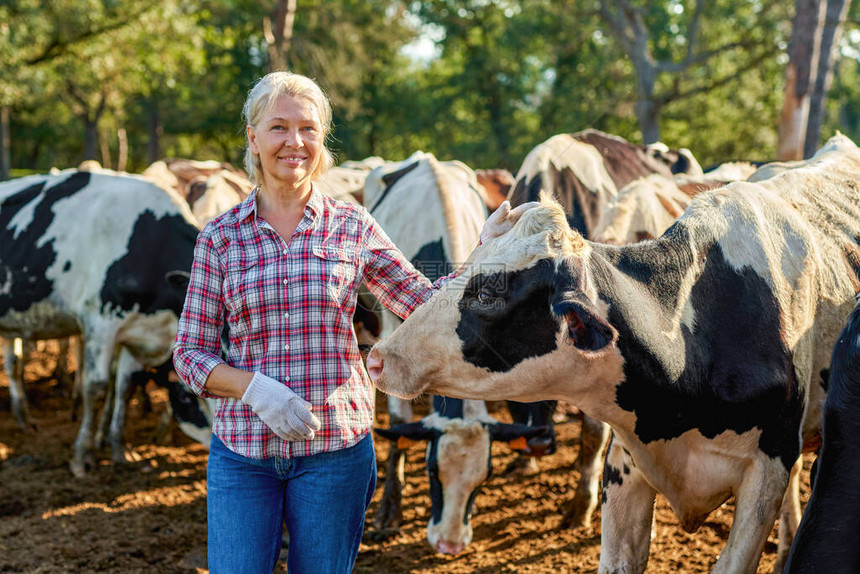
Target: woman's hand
(503, 219)
(286, 413)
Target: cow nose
(374, 365)
(445, 547)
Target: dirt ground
(150, 515)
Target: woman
(291, 437)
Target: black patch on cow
(827, 536)
(67, 267)
(738, 374)
(681, 165)
(448, 407)
(432, 261)
(437, 499)
(825, 379)
(505, 317)
(611, 475)
(526, 191)
(21, 252)
(155, 247)
(390, 179)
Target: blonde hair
(265, 93)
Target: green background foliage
(501, 77)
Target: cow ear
(410, 431)
(510, 432)
(179, 280)
(587, 330)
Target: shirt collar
(314, 204)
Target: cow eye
(485, 298)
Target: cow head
(521, 323)
(458, 460)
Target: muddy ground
(150, 515)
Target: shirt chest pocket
(242, 283)
(336, 270)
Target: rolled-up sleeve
(390, 277)
(198, 338)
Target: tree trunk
(156, 130)
(800, 74)
(90, 137)
(5, 143)
(278, 31)
(122, 149)
(105, 150)
(837, 10)
(648, 116)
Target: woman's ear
(252, 139)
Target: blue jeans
(322, 498)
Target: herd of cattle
(690, 315)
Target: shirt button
(286, 315)
(286, 252)
(286, 281)
(286, 347)
(286, 378)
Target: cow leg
(592, 442)
(757, 503)
(789, 516)
(390, 511)
(97, 362)
(626, 515)
(126, 365)
(13, 357)
(103, 426)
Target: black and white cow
(93, 254)
(702, 349)
(585, 170)
(459, 435)
(826, 540)
(433, 211)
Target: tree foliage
(504, 76)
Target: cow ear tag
(518, 443)
(403, 443)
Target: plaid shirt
(289, 309)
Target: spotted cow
(646, 207)
(95, 254)
(584, 171)
(459, 435)
(433, 211)
(702, 349)
(826, 540)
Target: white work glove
(286, 413)
(503, 219)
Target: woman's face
(289, 140)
